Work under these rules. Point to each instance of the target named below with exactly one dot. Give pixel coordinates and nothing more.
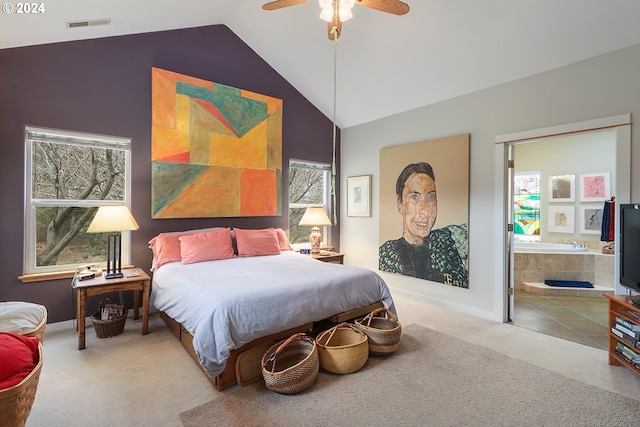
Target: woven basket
(248, 367)
(111, 327)
(383, 331)
(40, 330)
(342, 349)
(291, 366)
(16, 401)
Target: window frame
(37, 134)
(529, 237)
(325, 230)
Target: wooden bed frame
(230, 376)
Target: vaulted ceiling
(386, 64)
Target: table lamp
(315, 216)
(114, 220)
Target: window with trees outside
(68, 175)
(309, 185)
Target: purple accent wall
(103, 86)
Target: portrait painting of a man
(430, 214)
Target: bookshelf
(622, 311)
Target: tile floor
(578, 319)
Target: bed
(241, 301)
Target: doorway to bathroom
(562, 242)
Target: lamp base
(115, 275)
(315, 238)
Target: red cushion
(19, 355)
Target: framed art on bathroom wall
(591, 219)
(561, 219)
(562, 188)
(595, 187)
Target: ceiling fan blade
(337, 24)
(395, 7)
(278, 4)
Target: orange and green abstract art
(216, 151)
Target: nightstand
(332, 257)
(134, 279)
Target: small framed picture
(561, 219)
(359, 195)
(595, 187)
(562, 188)
(591, 219)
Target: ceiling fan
(335, 12)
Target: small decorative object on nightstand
(317, 217)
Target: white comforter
(228, 303)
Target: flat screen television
(630, 249)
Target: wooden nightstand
(134, 279)
(332, 257)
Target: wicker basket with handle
(383, 330)
(342, 349)
(291, 366)
(110, 327)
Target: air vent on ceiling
(88, 23)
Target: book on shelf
(629, 325)
(626, 337)
(633, 314)
(627, 354)
(626, 330)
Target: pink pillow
(257, 242)
(166, 246)
(206, 246)
(19, 355)
(282, 240)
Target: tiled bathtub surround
(592, 266)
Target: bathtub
(545, 248)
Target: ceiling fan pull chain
(334, 30)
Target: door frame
(505, 145)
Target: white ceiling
(386, 64)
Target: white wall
(589, 152)
(604, 86)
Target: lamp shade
(112, 218)
(315, 216)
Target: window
(68, 175)
(309, 185)
(526, 209)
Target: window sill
(41, 277)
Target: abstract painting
(216, 151)
(595, 187)
(561, 219)
(562, 188)
(591, 219)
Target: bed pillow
(206, 246)
(166, 246)
(257, 242)
(19, 355)
(283, 241)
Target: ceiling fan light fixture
(344, 9)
